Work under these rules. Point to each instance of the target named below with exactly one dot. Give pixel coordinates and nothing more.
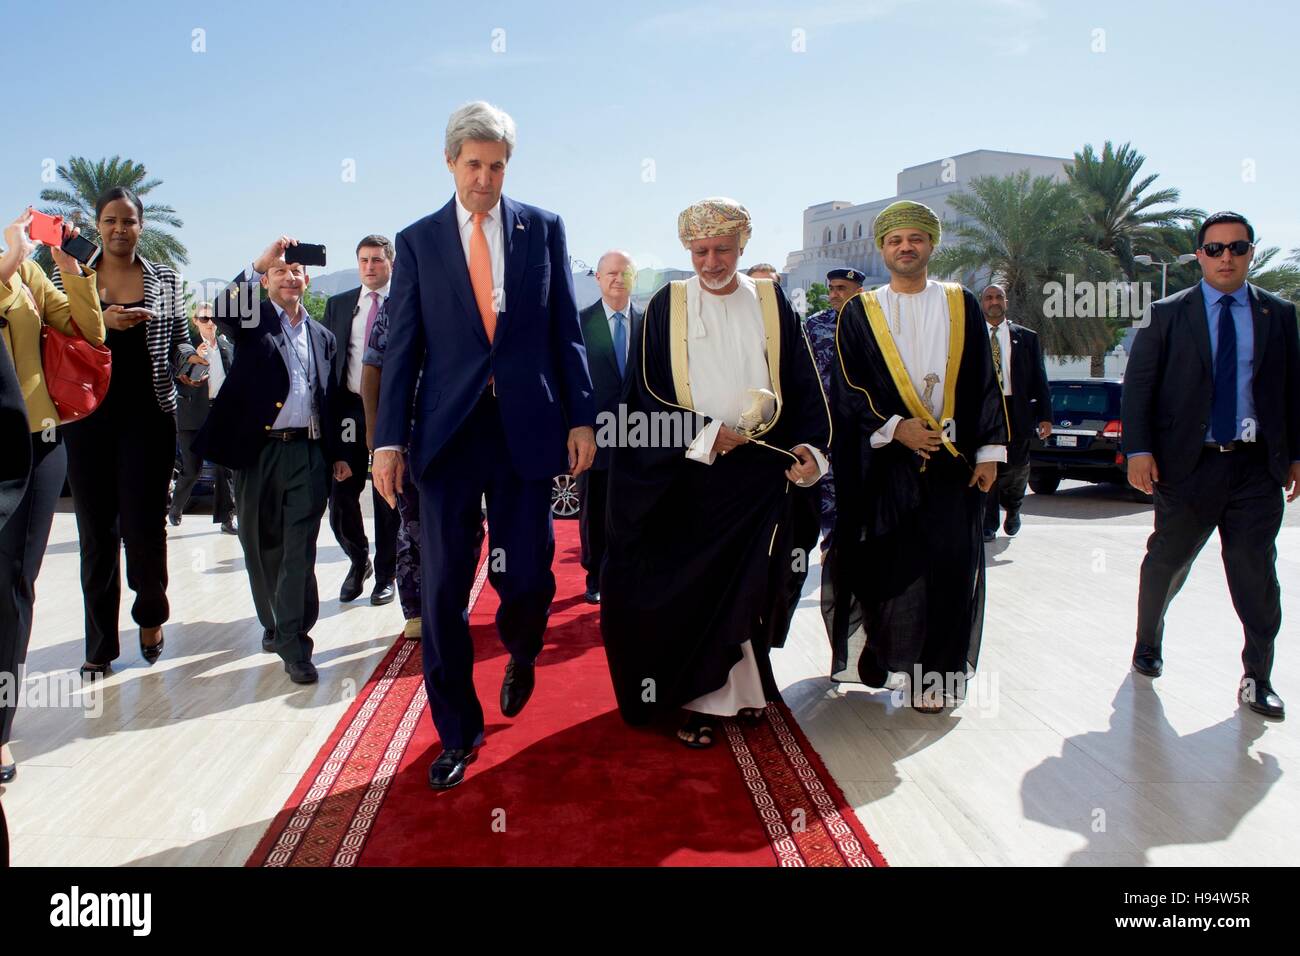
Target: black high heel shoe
(151, 652)
(7, 772)
(94, 671)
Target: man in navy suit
(1211, 410)
(486, 348)
(276, 423)
(609, 327)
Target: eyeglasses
(203, 318)
(1215, 249)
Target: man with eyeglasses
(1211, 412)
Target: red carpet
(566, 783)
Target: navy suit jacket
(607, 385)
(1168, 390)
(257, 381)
(436, 337)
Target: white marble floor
(1064, 757)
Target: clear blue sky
(250, 136)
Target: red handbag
(76, 372)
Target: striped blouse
(168, 334)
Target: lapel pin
(519, 226)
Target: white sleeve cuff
(883, 435)
(990, 453)
(822, 467)
(702, 448)
(397, 448)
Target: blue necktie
(1224, 415)
(620, 342)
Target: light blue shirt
(295, 349)
(1245, 324)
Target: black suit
(282, 486)
(15, 470)
(607, 390)
(1029, 403)
(192, 404)
(1167, 402)
(341, 311)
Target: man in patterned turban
(920, 428)
(698, 539)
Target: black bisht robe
(698, 557)
(907, 554)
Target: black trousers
(592, 489)
(805, 522)
(345, 500)
(1008, 491)
(120, 470)
(521, 544)
(1233, 492)
(22, 548)
(282, 499)
(223, 507)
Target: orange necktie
(480, 274)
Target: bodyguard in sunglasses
(1211, 413)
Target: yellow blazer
(25, 300)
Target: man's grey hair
(994, 285)
(482, 122)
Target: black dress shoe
(94, 671)
(1146, 660)
(383, 593)
(228, 527)
(151, 652)
(449, 769)
(173, 519)
(592, 596)
(301, 672)
(1260, 697)
(7, 772)
(268, 641)
(990, 535)
(1012, 524)
(517, 687)
(356, 579)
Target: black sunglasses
(1238, 247)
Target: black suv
(1085, 440)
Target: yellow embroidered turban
(906, 214)
(717, 216)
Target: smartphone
(305, 253)
(46, 229)
(80, 248)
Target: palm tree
(1028, 234)
(1119, 211)
(87, 181)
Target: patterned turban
(714, 217)
(906, 214)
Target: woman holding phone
(29, 300)
(120, 458)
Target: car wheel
(1044, 484)
(565, 500)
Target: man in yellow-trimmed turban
(920, 429)
(698, 547)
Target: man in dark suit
(482, 316)
(1018, 361)
(609, 326)
(192, 404)
(350, 316)
(15, 469)
(1211, 412)
(276, 425)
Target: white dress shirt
(496, 248)
(357, 335)
(216, 370)
(1004, 344)
(727, 356)
(920, 324)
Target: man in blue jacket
(482, 317)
